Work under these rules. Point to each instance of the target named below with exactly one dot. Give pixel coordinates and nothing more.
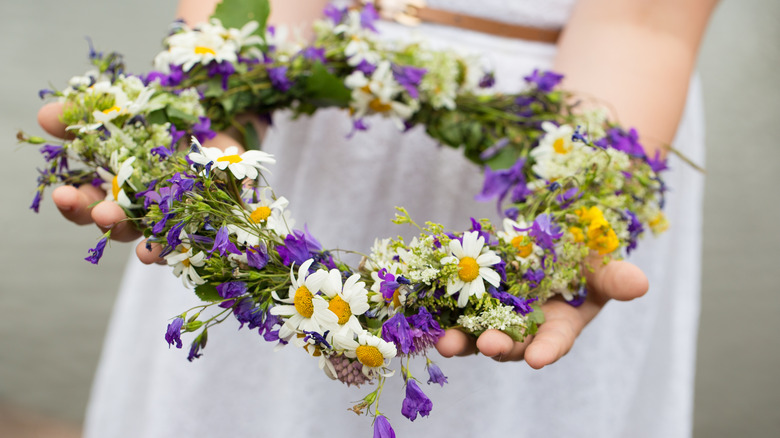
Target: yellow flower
(659, 223)
(600, 235)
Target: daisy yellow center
(522, 250)
(340, 308)
(113, 108)
(560, 146)
(378, 106)
(303, 302)
(115, 187)
(369, 356)
(260, 214)
(468, 269)
(201, 50)
(232, 159)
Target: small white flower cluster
(500, 317)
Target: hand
(618, 280)
(74, 203)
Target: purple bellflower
(398, 331)
(279, 79)
(173, 334)
(544, 81)
(416, 402)
(222, 243)
(409, 78)
(97, 252)
(435, 375)
(369, 16)
(382, 428)
(257, 256)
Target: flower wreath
(569, 184)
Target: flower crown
(569, 184)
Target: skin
(646, 52)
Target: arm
(637, 56)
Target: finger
(149, 255)
(74, 203)
(109, 214)
(456, 343)
(563, 323)
(223, 141)
(617, 279)
(49, 119)
(499, 346)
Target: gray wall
(54, 307)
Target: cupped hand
(619, 280)
(84, 205)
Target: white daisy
(557, 155)
(377, 95)
(372, 352)
(123, 105)
(347, 301)
(184, 264)
(304, 308)
(113, 183)
(267, 213)
(209, 42)
(473, 267)
(527, 251)
(246, 165)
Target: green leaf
(176, 115)
(504, 159)
(325, 89)
(237, 13)
(537, 316)
(157, 117)
(252, 141)
(207, 292)
(515, 332)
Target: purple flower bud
(51, 152)
(416, 402)
(173, 334)
(97, 252)
(36, 202)
(435, 375)
(544, 81)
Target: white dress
(629, 374)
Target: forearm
(294, 13)
(636, 57)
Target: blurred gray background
(54, 307)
